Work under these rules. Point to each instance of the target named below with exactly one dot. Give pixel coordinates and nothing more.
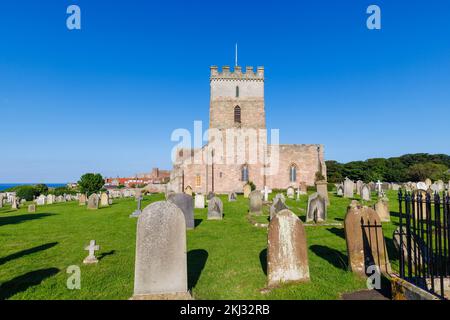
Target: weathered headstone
(303, 188)
(365, 192)
(247, 190)
(232, 197)
(188, 190)
(382, 209)
(161, 261)
(365, 240)
(32, 208)
(255, 203)
(199, 201)
(428, 182)
(348, 188)
(215, 209)
(340, 190)
(82, 200)
(1, 200)
(93, 202)
(422, 186)
(50, 199)
(359, 185)
(322, 189)
(14, 203)
(40, 201)
(287, 253)
(290, 192)
(104, 199)
(277, 206)
(185, 203)
(317, 209)
(280, 196)
(92, 247)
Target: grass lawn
(226, 259)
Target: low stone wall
(404, 290)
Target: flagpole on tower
(236, 56)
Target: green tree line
(409, 167)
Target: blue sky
(107, 98)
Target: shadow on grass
(263, 260)
(22, 218)
(25, 281)
(22, 253)
(334, 257)
(197, 222)
(105, 254)
(196, 261)
(338, 231)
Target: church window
(237, 92)
(237, 114)
(244, 173)
(293, 173)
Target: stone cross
(266, 193)
(92, 247)
(138, 211)
(379, 184)
(298, 194)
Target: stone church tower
(237, 151)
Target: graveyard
(226, 258)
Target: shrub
(26, 192)
(91, 183)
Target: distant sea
(4, 186)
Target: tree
(91, 183)
(422, 171)
(27, 192)
(41, 188)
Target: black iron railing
(423, 239)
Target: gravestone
(161, 261)
(340, 190)
(348, 188)
(14, 203)
(232, 197)
(428, 182)
(185, 203)
(247, 190)
(303, 188)
(322, 189)
(215, 209)
(104, 199)
(317, 209)
(93, 202)
(210, 195)
(365, 240)
(419, 248)
(199, 201)
(422, 186)
(50, 199)
(290, 192)
(255, 203)
(82, 200)
(287, 253)
(280, 196)
(136, 213)
(365, 192)
(420, 205)
(32, 208)
(382, 209)
(277, 206)
(92, 247)
(188, 190)
(1, 200)
(435, 188)
(395, 187)
(40, 201)
(359, 185)
(137, 193)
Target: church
(237, 151)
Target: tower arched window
(244, 173)
(237, 92)
(293, 173)
(237, 114)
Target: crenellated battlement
(237, 73)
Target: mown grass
(226, 259)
